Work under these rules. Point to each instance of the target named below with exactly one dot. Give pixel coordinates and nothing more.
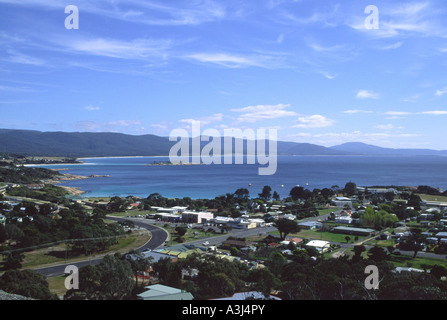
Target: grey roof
(161, 292)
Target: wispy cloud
(17, 57)
(151, 12)
(387, 127)
(92, 108)
(406, 113)
(138, 49)
(356, 111)
(235, 60)
(406, 18)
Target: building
(342, 201)
(343, 219)
(197, 217)
(320, 245)
(310, 225)
(353, 231)
(161, 292)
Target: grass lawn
(191, 235)
(57, 285)
(407, 261)
(429, 197)
(322, 212)
(56, 254)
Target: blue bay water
(132, 176)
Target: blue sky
(310, 69)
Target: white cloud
(356, 111)
(205, 120)
(92, 108)
(406, 113)
(264, 112)
(314, 121)
(398, 113)
(387, 127)
(441, 92)
(365, 94)
(232, 60)
(434, 112)
(139, 49)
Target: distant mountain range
(87, 144)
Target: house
(295, 241)
(259, 222)
(161, 292)
(440, 235)
(343, 219)
(310, 225)
(342, 201)
(320, 245)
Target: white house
(320, 245)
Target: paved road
(159, 236)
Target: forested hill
(76, 144)
(107, 144)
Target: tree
(138, 262)
(28, 283)
(181, 231)
(242, 193)
(414, 242)
(3, 235)
(266, 193)
(438, 271)
(168, 272)
(116, 278)
(264, 281)
(350, 189)
(276, 196)
(297, 193)
(377, 254)
(286, 226)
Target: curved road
(159, 236)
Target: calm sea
(132, 176)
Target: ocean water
(132, 176)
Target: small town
(311, 245)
